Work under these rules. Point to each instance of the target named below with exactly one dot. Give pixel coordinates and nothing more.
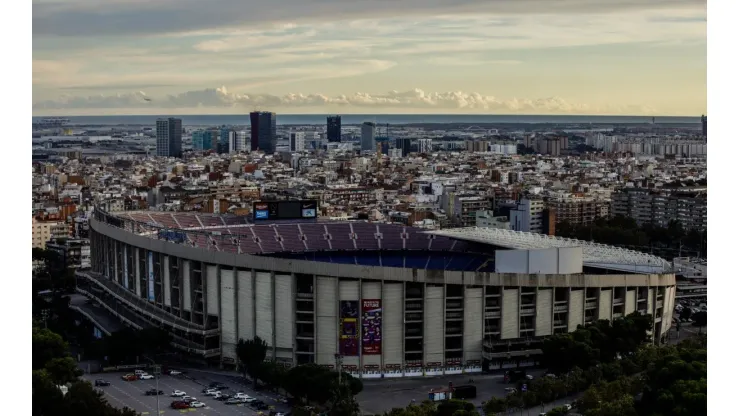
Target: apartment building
(578, 211)
(648, 206)
(74, 253)
(43, 231)
(528, 216)
(487, 219)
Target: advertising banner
(372, 324)
(348, 330)
(150, 279)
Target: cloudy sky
(637, 57)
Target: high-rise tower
(264, 131)
(334, 129)
(169, 137)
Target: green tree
(63, 370)
(495, 405)
(46, 345)
(342, 402)
(251, 354)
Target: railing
(144, 306)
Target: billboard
(372, 324)
(150, 279)
(284, 210)
(348, 330)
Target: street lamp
(157, 370)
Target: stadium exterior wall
(431, 322)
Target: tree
(63, 370)
(700, 319)
(685, 314)
(495, 405)
(251, 354)
(342, 401)
(46, 345)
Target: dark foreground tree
(251, 354)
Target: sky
(610, 57)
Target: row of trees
(669, 241)
(621, 373)
(53, 367)
(308, 383)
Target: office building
(297, 141)
(169, 137)
(405, 145)
(425, 145)
(703, 125)
(264, 131)
(238, 141)
(198, 138)
(334, 129)
(367, 140)
(224, 140)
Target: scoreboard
(284, 210)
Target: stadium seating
(315, 237)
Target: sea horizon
(353, 119)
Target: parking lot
(131, 394)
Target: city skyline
(614, 58)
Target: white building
(425, 145)
(527, 217)
(486, 219)
(297, 141)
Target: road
(380, 396)
(131, 394)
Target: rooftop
(594, 254)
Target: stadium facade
(389, 300)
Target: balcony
(526, 311)
(591, 305)
(618, 301)
(561, 308)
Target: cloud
(221, 101)
(138, 18)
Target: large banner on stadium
(348, 331)
(372, 324)
(150, 279)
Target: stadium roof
(594, 254)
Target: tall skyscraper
(297, 141)
(264, 131)
(198, 140)
(405, 145)
(703, 125)
(238, 141)
(367, 140)
(334, 129)
(169, 137)
(425, 145)
(223, 142)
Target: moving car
(178, 393)
(154, 392)
(101, 382)
(180, 405)
(241, 395)
(145, 376)
(217, 386)
(210, 392)
(197, 404)
(174, 373)
(129, 377)
(189, 399)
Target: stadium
(381, 300)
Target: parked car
(209, 391)
(218, 386)
(189, 399)
(139, 372)
(235, 400)
(197, 404)
(102, 383)
(241, 395)
(154, 392)
(177, 404)
(129, 377)
(174, 373)
(178, 393)
(145, 376)
(222, 396)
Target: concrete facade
(432, 322)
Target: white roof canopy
(594, 254)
